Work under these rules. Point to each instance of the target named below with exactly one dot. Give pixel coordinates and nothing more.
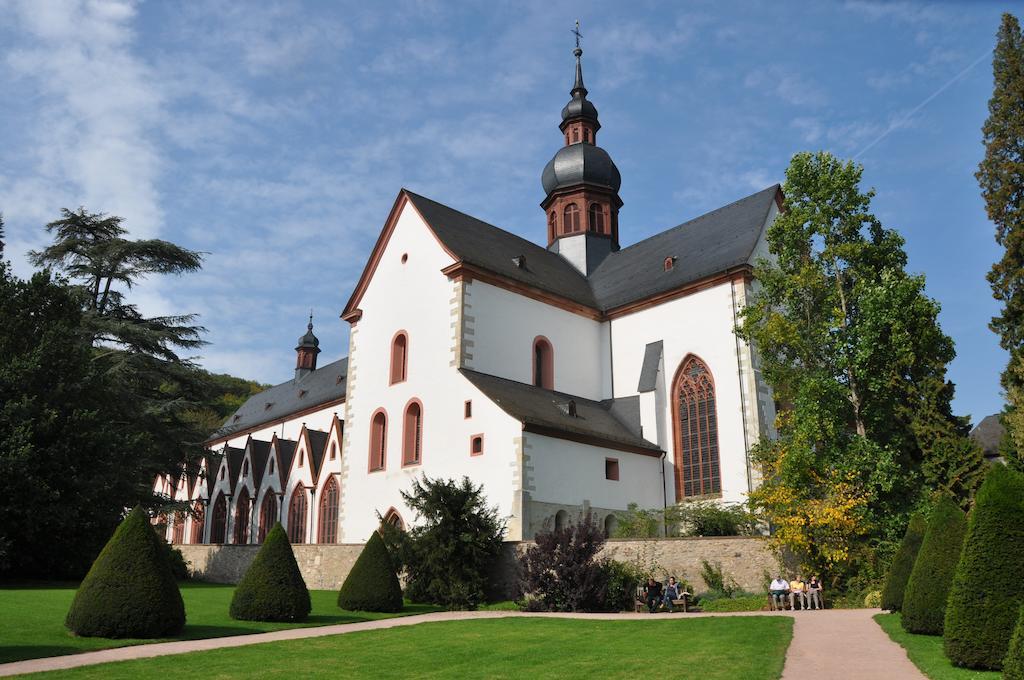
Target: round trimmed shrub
(1013, 664)
(924, 604)
(903, 563)
(272, 588)
(130, 591)
(988, 586)
(372, 585)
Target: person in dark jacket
(652, 594)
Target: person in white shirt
(778, 590)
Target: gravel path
(827, 645)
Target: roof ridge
(569, 395)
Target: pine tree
(903, 564)
(924, 603)
(272, 588)
(988, 586)
(372, 585)
(1013, 664)
(130, 591)
(1001, 177)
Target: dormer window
(519, 261)
(670, 262)
(269, 405)
(571, 408)
(303, 393)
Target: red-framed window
(219, 520)
(242, 518)
(596, 221)
(394, 519)
(328, 530)
(611, 469)
(696, 425)
(268, 515)
(476, 445)
(412, 434)
(198, 520)
(571, 219)
(297, 508)
(543, 363)
(378, 440)
(178, 530)
(399, 357)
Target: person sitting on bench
(652, 594)
(778, 590)
(671, 593)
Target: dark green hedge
(372, 585)
(1013, 664)
(129, 592)
(903, 564)
(272, 588)
(988, 586)
(924, 603)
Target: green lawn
(926, 652)
(751, 648)
(32, 619)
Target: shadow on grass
(12, 653)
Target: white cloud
(790, 87)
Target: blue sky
(275, 135)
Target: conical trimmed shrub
(129, 592)
(988, 586)
(372, 585)
(924, 603)
(1013, 664)
(903, 564)
(272, 588)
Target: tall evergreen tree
(1001, 177)
(851, 344)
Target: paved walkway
(835, 644)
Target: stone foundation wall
(324, 567)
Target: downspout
(664, 498)
(743, 400)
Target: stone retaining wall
(324, 567)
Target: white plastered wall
(290, 428)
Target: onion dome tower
(581, 184)
(306, 351)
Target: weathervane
(576, 32)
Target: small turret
(306, 351)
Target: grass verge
(751, 647)
(925, 651)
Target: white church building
(572, 377)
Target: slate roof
(285, 453)
(989, 435)
(235, 457)
(649, 369)
(323, 385)
(712, 243)
(259, 451)
(317, 447)
(614, 422)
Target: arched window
(543, 363)
(328, 531)
(271, 465)
(571, 221)
(268, 515)
(596, 218)
(198, 520)
(696, 431)
(219, 521)
(242, 518)
(611, 523)
(245, 467)
(575, 134)
(378, 440)
(412, 434)
(399, 357)
(394, 519)
(297, 515)
(178, 530)
(551, 226)
(586, 135)
(334, 450)
(561, 519)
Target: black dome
(578, 164)
(579, 107)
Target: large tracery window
(571, 222)
(328, 532)
(219, 521)
(242, 518)
(696, 455)
(268, 516)
(198, 520)
(297, 516)
(178, 530)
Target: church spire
(306, 351)
(581, 182)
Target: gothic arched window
(696, 455)
(297, 516)
(543, 363)
(394, 519)
(198, 520)
(399, 357)
(412, 434)
(242, 518)
(328, 531)
(571, 222)
(268, 515)
(378, 440)
(178, 530)
(219, 521)
(596, 218)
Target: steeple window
(571, 222)
(596, 219)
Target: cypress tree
(1013, 664)
(129, 592)
(924, 603)
(1001, 178)
(903, 563)
(272, 588)
(372, 585)
(988, 586)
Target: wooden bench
(639, 603)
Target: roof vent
(303, 393)
(269, 405)
(236, 418)
(341, 376)
(670, 262)
(569, 409)
(519, 261)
